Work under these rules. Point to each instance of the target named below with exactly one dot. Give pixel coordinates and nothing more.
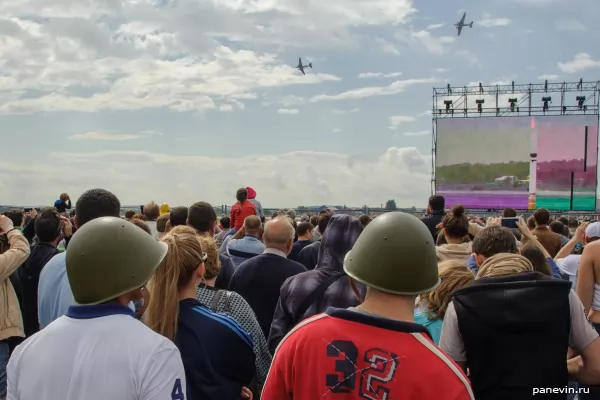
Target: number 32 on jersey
(379, 370)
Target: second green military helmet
(394, 254)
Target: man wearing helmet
(98, 350)
(374, 351)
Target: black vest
(516, 332)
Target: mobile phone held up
(510, 223)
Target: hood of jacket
(338, 239)
(251, 193)
(459, 252)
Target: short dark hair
(573, 223)
(241, 195)
(324, 220)
(225, 222)
(557, 227)
(178, 216)
(201, 216)
(161, 223)
(564, 220)
(437, 202)
(365, 219)
(494, 240)
(531, 252)
(16, 216)
(142, 225)
(541, 216)
(509, 213)
(303, 228)
(129, 214)
(151, 211)
(48, 225)
(96, 203)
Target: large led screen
(518, 162)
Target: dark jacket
(259, 279)
(432, 220)
(515, 330)
(298, 246)
(309, 256)
(341, 234)
(29, 277)
(225, 273)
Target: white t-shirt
(96, 353)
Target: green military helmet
(394, 254)
(108, 257)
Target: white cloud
(341, 112)
(581, 62)
(387, 47)
(570, 25)
(105, 136)
(489, 22)
(434, 26)
(441, 70)
(397, 120)
(365, 75)
(333, 178)
(289, 111)
(226, 107)
(291, 100)
(550, 77)
(337, 130)
(418, 133)
(433, 44)
(392, 88)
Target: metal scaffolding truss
(512, 100)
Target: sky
(179, 101)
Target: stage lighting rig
(448, 104)
(546, 100)
(480, 88)
(580, 101)
(449, 90)
(480, 105)
(512, 102)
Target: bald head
(279, 234)
(252, 225)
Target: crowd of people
(179, 303)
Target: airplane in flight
(461, 24)
(301, 67)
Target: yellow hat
(164, 209)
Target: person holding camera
(11, 324)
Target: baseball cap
(593, 230)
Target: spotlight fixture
(512, 102)
(449, 90)
(480, 105)
(480, 88)
(580, 101)
(546, 100)
(546, 86)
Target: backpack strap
(228, 295)
(316, 293)
(214, 304)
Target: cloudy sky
(185, 100)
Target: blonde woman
(217, 354)
(232, 304)
(432, 306)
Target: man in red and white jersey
(374, 351)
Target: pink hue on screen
(532, 122)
